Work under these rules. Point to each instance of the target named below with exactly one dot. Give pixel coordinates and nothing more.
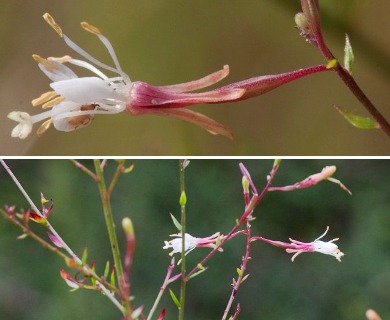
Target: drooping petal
(200, 83)
(199, 119)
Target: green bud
(183, 199)
(245, 184)
(127, 226)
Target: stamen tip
(90, 28)
(50, 20)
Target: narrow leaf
(175, 299)
(112, 278)
(349, 58)
(84, 257)
(22, 236)
(198, 273)
(175, 222)
(358, 121)
(106, 270)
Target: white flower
(176, 244)
(75, 100)
(327, 247)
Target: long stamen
(88, 66)
(86, 55)
(321, 236)
(94, 30)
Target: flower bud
(128, 228)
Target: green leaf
(129, 168)
(175, 299)
(198, 272)
(112, 278)
(106, 270)
(349, 58)
(84, 256)
(22, 236)
(358, 121)
(175, 222)
(245, 277)
(239, 271)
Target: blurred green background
(173, 41)
(313, 287)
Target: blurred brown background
(173, 41)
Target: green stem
(183, 231)
(105, 196)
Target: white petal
(61, 73)
(84, 90)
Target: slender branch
(83, 267)
(83, 168)
(241, 275)
(248, 210)
(34, 236)
(105, 197)
(167, 281)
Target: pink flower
(74, 101)
(298, 247)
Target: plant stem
(105, 196)
(183, 231)
(167, 280)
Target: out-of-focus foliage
(313, 287)
(166, 42)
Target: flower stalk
(105, 197)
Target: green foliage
(313, 287)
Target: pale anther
(90, 28)
(44, 97)
(53, 102)
(44, 61)
(44, 126)
(49, 19)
